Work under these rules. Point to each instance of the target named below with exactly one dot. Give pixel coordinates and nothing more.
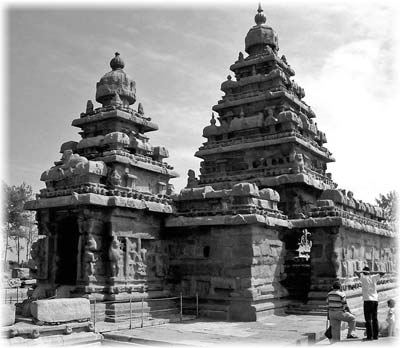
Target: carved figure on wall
(360, 265)
(305, 245)
(192, 180)
(133, 258)
(114, 254)
(269, 114)
(142, 263)
(90, 258)
(335, 262)
(136, 259)
(350, 267)
(240, 58)
(39, 257)
(115, 178)
(299, 162)
(345, 271)
(170, 189)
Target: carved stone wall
(238, 265)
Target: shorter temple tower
(100, 214)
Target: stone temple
(264, 228)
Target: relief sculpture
(39, 257)
(90, 258)
(114, 254)
(136, 255)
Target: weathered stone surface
(245, 189)
(22, 273)
(7, 311)
(61, 310)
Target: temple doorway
(297, 264)
(67, 251)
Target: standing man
(370, 296)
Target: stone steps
(80, 338)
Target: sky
(345, 55)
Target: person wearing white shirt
(370, 297)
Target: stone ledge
(219, 220)
(339, 221)
(96, 199)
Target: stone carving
(114, 255)
(240, 58)
(192, 180)
(305, 245)
(299, 162)
(116, 100)
(71, 165)
(170, 189)
(39, 257)
(89, 107)
(115, 178)
(70, 161)
(140, 109)
(345, 270)
(136, 263)
(335, 261)
(359, 265)
(90, 258)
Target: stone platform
(285, 330)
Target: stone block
(21, 273)
(8, 314)
(194, 193)
(325, 203)
(61, 310)
(269, 194)
(245, 189)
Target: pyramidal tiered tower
(266, 133)
(101, 211)
(273, 224)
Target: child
(391, 317)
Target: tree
(18, 223)
(389, 204)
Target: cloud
(351, 98)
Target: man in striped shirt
(338, 312)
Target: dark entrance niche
(206, 251)
(67, 251)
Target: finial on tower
(260, 17)
(117, 62)
(212, 121)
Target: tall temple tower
(266, 133)
(266, 158)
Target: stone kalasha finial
(260, 17)
(117, 62)
(212, 121)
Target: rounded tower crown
(261, 35)
(116, 83)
